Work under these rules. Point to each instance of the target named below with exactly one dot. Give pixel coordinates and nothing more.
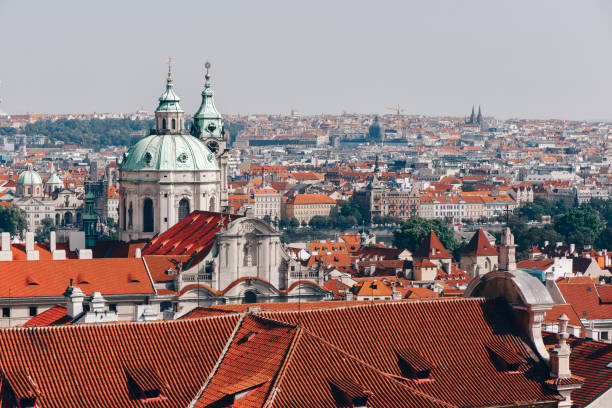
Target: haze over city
(544, 59)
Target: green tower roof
(169, 100)
(207, 120)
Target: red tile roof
(584, 298)
(91, 365)
(479, 245)
(160, 264)
(272, 364)
(193, 236)
(432, 248)
(50, 317)
(110, 276)
(463, 372)
(300, 199)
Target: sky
(517, 59)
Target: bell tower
(169, 116)
(208, 127)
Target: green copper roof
(169, 152)
(29, 177)
(169, 101)
(54, 179)
(207, 120)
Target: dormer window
(23, 387)
(144, 383)
(348, 393)
(148, 158)
(502, 357)
(413, 365)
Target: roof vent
(247, 337)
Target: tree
(267, 219)
(604, 240)
(320, 222)
(12, 219)
(579, 225)
(46, 226)
(414, 230)
(352, 208)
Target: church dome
(54, 179)
(29, 177)
(168, 153)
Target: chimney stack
(74, 300)
(6, 254)
(31, 254)
(560, 371)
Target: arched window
(130, 213)
(57, 219)
(173, 124)
(123, 218)
(211, 207)
(183, 209)
(68, 218)
(249, 297)
(29, 190)
(147, 215)
(164, 123)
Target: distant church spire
(472, 116)
(479, 117)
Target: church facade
(172, 172)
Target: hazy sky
(517, 58)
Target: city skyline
(515, 60)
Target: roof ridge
(118, 323)
(286, 361)
(227, 346)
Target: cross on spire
(170, 62)
(207, 75)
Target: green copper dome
(29, 177)
(169, 101)
(169, 152)
(54, 179)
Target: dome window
(147, 158)
(182, 158)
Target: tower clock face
(213, 146)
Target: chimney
(138, 253)
(560, 371)
(507, 258)
(6, 254)
(98, 303)
(372, 269)
(572, 248)
(447, 265)
(56, 254)
(31, 254)
(85, 253)
(74, 300)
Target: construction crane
(398, 111)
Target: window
(604, 335)
(183, 210)
(147, 215)
(173, 124)
(6, 312)
(33, 311)
(112, 307)
(163, 123)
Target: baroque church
(173, 194)
(172, 172)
